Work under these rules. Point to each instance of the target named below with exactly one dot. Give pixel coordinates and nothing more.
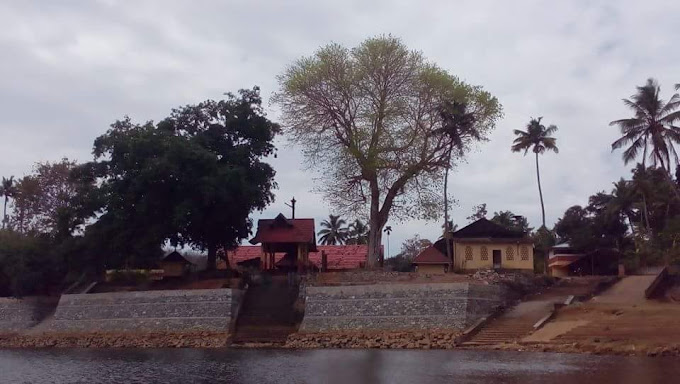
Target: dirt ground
(648, 327)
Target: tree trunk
(212, 258)
(449, 256)
(374, 243)
(4, 214)
(376, 224)
(540, 191)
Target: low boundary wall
(399, 306)
(148, 311)
(17, 315)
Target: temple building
(290, 245)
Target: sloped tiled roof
(486, 228)
(282, 230)
(175, 256)
(431, 255)
(338, 257)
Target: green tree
(358, 233)
(651, 130)
(334, 231)
(458, 127)
(7, 190)
(48, 200)
(537, 138)
(511, 221)
(410, 248)
(193, 179)
(478, 212)
(370, 118)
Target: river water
(326, 366)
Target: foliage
(28, 264)
(334, 231)
(192, 179)
(652, 129)
(410, 248)
(511, 221)
(358, 233)
(638, 217)
(537, 138)
(48, 200)
(370, 118)
(7, 190)
(478, 212)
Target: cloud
(68, 70)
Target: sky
(68, 69)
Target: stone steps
(267, 314)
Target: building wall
(431, 269)
(147, 311)
(172, 269)
(399, 306)
(471, 255)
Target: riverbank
(116, 340)
(418, 340)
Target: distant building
(175, 265)
(290, 244)
(564, 260)
(480, 245)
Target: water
(326, 366)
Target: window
(525, 253)
(484, 253)
(468, 253)
(510, 253)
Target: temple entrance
(285, 243)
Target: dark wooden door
(496, 258)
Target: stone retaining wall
(399, 306)
(20, 314)
(147, 311)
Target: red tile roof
(282, 230)
(431, 255)
(338, 257)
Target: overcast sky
(70, 68)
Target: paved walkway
(519, 321)
(630, 290)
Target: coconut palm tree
(358, 233)
(458, 127)
(7, 190)
(334, 231)
(537, 138)
(652, 129)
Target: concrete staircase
(267, 314)
(518, 322)
(512, 326)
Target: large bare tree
(369, 120)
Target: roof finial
(292, 206)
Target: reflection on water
(326, 366)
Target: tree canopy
(194, 178)
(369, 119)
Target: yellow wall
(462, 262)
(172, 269)
(431, 269)
(559, 271)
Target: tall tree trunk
(374, 242)
(212, 258)
(4, 213)
(540, 195)
(540, 191)
(449, 256)
(375, 227)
